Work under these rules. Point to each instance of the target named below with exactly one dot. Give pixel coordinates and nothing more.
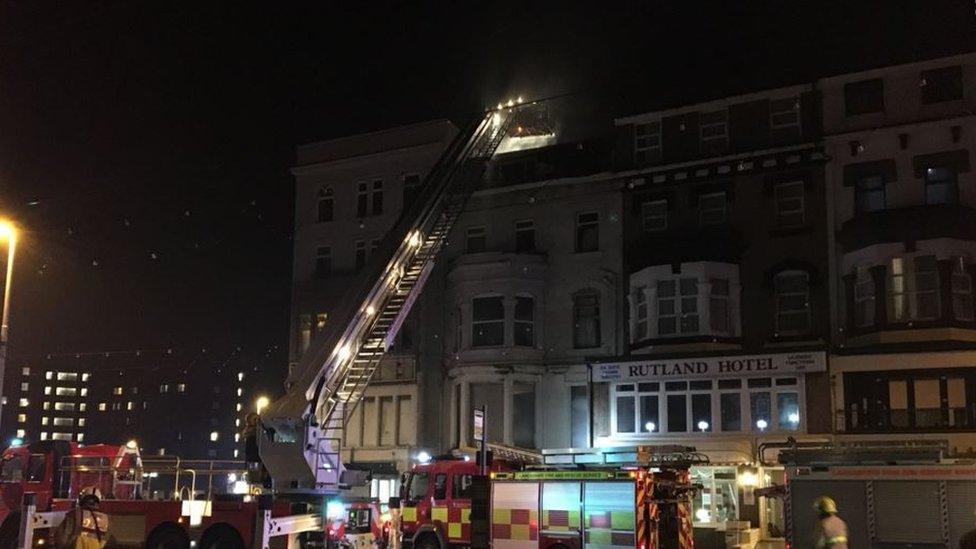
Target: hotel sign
(714, 366)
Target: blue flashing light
(335, 510)
(16, 441)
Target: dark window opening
(864, 97)
(362, 201)
(487, 321)
(476, 240)
(377, 197)
(587, 232)
(326, 205)
(944, 84)
(524, 236)
(941, 186)
(586, 321)
(411, 188)
(869, 194)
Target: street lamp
(261, 403)
(8, 231)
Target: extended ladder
(332, 378)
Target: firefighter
(832, 530)
(86, 527)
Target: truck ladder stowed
(301, 434)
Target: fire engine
(889, 494)
(630, 497)
(299, 436)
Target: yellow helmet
(825, 505)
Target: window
(731, 410)
(647, 142)
(462, 486)
(864, 97)
(719, 310)
(579, 416)
(24, 403)
(677, 311)
(326, 205)
(525, 236)
(524, 325)
(214, 436)
(476, 240)
(45, 420)
(654, 215)
(117, 390)
(864, 300)
(67, 376)
(869, 194)
(164, 388)
(712, 209)
(792, 302)
(304, 332)
(101, 407)
(487, 321)
(130, 405)
(25, 371)
(47, 390)
(913, 288)
(523, 408)
(586, 320)
(360, 255)
(909, 400)
(37, 463)
(66, 391)
(789, 204)
(944, 84)
(64, 422)
(640, 310)
(64, 406)
(784, 113)
(320, 320)
(323, 261)
(941, 186)
(21, 433)
(417, 486)
(377, 197)
(587, 232)
(714, 130)
(24, 386)
(411, 188)
(362, 200)
(962, 290)
(373, 246)
(181, 387)
(85, 376)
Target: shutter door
(907, 511)
(962, 509)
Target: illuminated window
(24, 386)
(181, 387)
(82, 407)
(45, 420)
(239, 406)
(84, 391)
(21, 433)
(101, 406)
(21, 418)
(48, 375)
(117, 391)
(236, 453)
(47, 390)
(47, 405)
(161, 452)
(85, 376)
(237, 437)
(164, 388)
(240, 391)
(43, 436)
(129, 405)
(67, 376)
(214, 436)
(25, 371)
(24, 402)
(240, 376)
(66, 391)
(237, 422)
(64, 422)
(60, 436)
(81, 422)
(81, 437)
(64, 406)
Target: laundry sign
(713, 366)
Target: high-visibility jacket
(84, 529)
(833, 533)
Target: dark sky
(145, 146)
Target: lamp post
(9, 232)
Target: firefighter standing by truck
(86, 527)
(833, 530)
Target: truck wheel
(221, 536)
(427, 542)
(168, 537)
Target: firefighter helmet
(89, 497)
(825, 505)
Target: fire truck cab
(619, 498)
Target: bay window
(702, 300)
(913, 289)
(523, 323)
(909, 400)
(487, 321)
(640, 310)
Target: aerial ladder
(300, 435)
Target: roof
(388, 140)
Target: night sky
(145, 147)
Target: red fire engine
(637, 498)
(299, 437)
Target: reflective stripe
(836, 539)
(409, 514)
